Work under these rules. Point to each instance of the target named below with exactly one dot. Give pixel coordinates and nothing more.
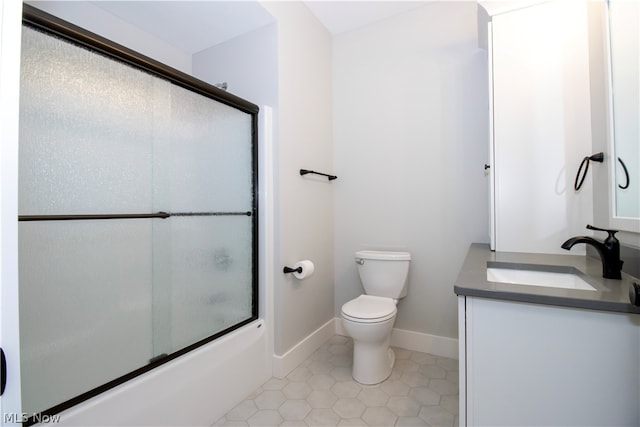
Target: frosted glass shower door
(85, 286)
(204, 253)
(137, 233)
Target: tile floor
(421, 391)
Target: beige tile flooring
(421, 391)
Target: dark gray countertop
(611, 295)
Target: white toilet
(369, 318)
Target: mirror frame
(615, 222)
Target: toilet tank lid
(384, 255)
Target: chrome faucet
(609, 251)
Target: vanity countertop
(611, 295)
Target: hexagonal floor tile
(379, 416)
(425, 396)
(300, 374)
(403, 406)
(270, 399)
(294, 409)
(373, 397)
(321, 382)
(265, 418)
(435, 415)
(421, 390)
(297, 390)
(321, 399)
(342, 373)
(346, 389)
(443, 387)
(242, 411)
(349, 407)
(322, 417)
(395, 387)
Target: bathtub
(195, 389)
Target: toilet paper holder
(301, 269)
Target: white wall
(411, 126)
(541, 120)
(305, 205)
(98, 21)
(248, 63)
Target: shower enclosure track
(125, 216)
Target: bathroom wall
(248, 63)
(97, 20)
(410, 135)
(305, 222)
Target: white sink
(538, 278)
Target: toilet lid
(368, 307)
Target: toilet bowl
(369, 321)
(369, 318)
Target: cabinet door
(541, 125)
(535, 365)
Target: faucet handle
(611, 232)
(611, 238)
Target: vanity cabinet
(533, 364)
(540, 124)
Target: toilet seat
(369, 309)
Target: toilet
(369, 318)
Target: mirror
(624, 53)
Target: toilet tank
(384, 273)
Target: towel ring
(598, 157)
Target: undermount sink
(537, 278)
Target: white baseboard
(425, 343)
(283, 365)
(339, 328)
(416, 341)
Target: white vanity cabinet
(540, 123)
(539, 365)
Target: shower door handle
(4, 372)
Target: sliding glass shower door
(138, 226)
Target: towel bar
(329, 177)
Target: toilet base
(372, 362)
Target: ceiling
(196, 25)
(342, 16)
(191, 26)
